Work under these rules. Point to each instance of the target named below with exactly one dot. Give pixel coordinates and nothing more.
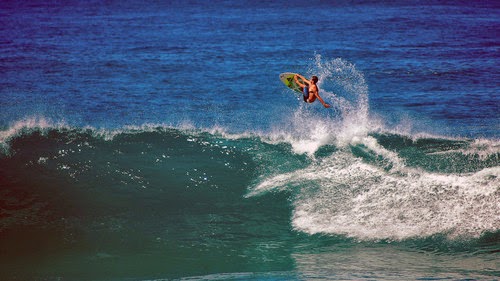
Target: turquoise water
(157, 202)
(155, 141)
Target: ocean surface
(153, 140)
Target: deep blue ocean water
(154, 141)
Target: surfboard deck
(287, 79)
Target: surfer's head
(314, 78)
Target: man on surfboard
(309, 89)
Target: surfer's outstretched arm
(321, 100)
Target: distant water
(143, 141)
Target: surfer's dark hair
(315, 79)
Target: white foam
(343, 195)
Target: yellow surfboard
(289, 81)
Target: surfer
(309, 89)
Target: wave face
(380, 186)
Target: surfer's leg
(305, 92)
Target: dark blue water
(154, 140)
